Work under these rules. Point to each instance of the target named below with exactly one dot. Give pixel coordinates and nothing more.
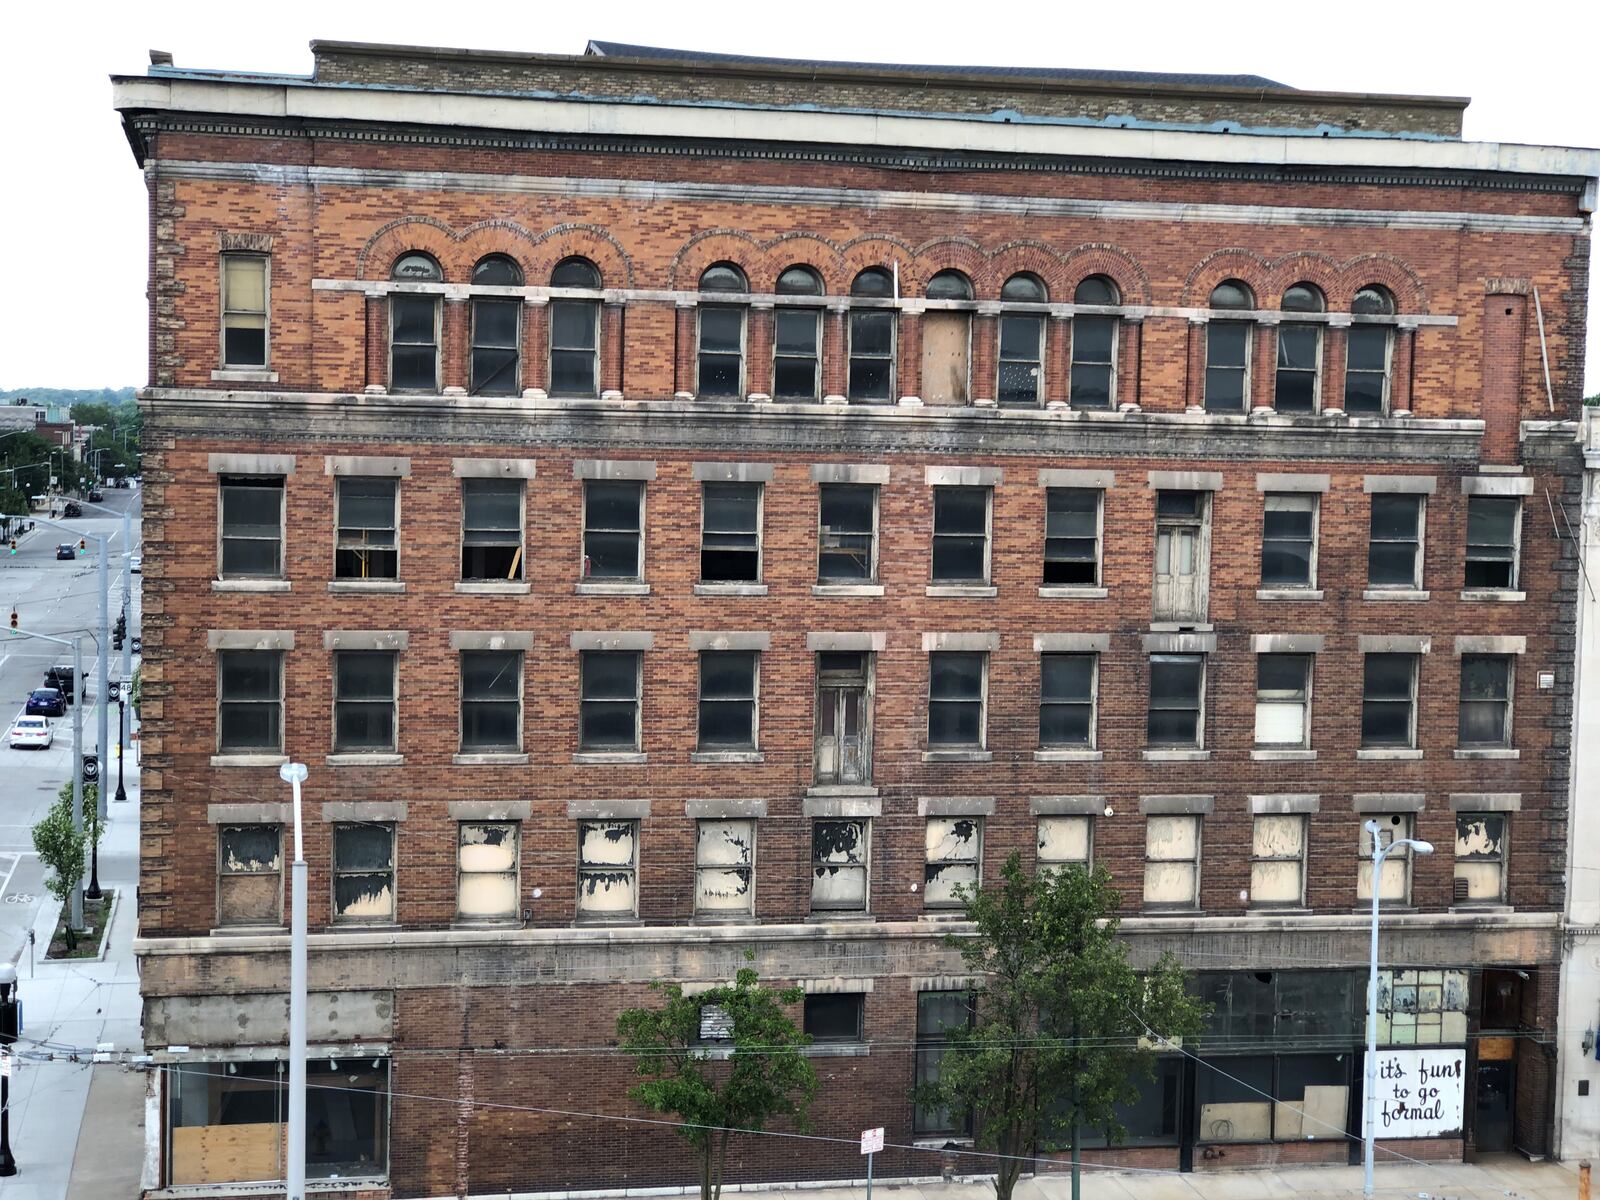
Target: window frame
(754, 702)
(1411, 701)
(1093, 703)
(827, 685)
(891, 357)
(1043, 864)
(1312, 543)
(362, 551)
(224, 312)
(1387, 373)
(463, 701)
(1075, 364)
(747, 910)
(1314, 328)
(223, 874)
(824, 532)
(1498, 860)
(864, 867)
(929, 1041)
(859, 1005)
(1037, 361)
(815, 358)
(222, 700)
(1051, 493)
(1303, 821)
(586, 559)
(1514, 547)
(984, 580)
(1309, 662)
(637, 702)
(514, 916)
(1199, 824)
(1244, 369)
(931, 867)
(1404, 829)
(597, 867)
(336, 746)
(1507, 706)
(519, 555)
(281, 484)
(706, 488)
(1199, 741)
(396, 298)
(474, 388)
(336, 872)
(1420, 500)
(740, 356)
(982, 701)
(591, 309)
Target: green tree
(762, 1075)
(1059, 1037)
(61, 849)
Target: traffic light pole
(103, 671)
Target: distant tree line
(68, 396)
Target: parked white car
(32, 733)
(136, 563)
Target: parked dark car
(62, 679)
(72, 509)
(66, 550)
(96, 495)
(45, 702)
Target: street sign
(872, 1140)
(91, 767)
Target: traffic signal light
(13, 618)
(13, 545)
(119, 631)
(83, 543)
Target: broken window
(1021, 356)
(1396, 885)
(491, 701)
(716, 1024)
(937, 1014)
(797, 339)
(844, 718)
(1171, 861)
(1493, 525)
(834, 1016)
(1289, 540)
(486, 871)
(1481, 858)
(839, 865)
(1485, 718)
(1094, 347)
(364, 694)
(1066, 699)
(251, 522)
(491, 528)
(575, 331)
(1177, 700)
(872, 339)
(363, 873)
(956, 680)
(496, 329)
(1227, 387)
(414, 328)
(724, 867)
(249, 875)
(961, 535)
(1278, 860)
(1394, 554)
(1429, 1007)
(1072, 537)
(1283, 700)
(610, 700)
(730, 533)
(244, 311)
(367, 546)
(613, 523)
(1367, 354)
(954, 849)
(1065, 841)
(728, 699)
(1388, 701)
(847, 538)
(607, 869)
(249, 701)
(1299, 353)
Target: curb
(42, 935)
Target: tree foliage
(61, 849)
(723, 1087)
(1060, 1035)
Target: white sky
(74, 204)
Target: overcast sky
(74, 203)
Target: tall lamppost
(1369, 1098)
(122, 712)
(8, 1041)
(294, 775)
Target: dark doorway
(1491, 1121)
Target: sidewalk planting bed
(96, 913)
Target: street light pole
(8, 1040)
(294, 775)
(122, 712)
(1369, 1098)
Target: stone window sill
(1182, 627)
(511, 922)
(837, 791)
(724, 920)
(1493, 596)
(1073, 593)
(836, 1050)
(506, 758)
(1485, 909)
(358, 926)
(850, 916)
(263, 929)
(366, 585)
(631, 920)
(960, 591)
(1063, 756)
(1278, 910)
(730, 589)
(726, 756)
(605, 757)
(243, 375)
(1171, 910)
(365, 760)
(249, 585)
(611, 589)
(1285, 754)
(1289, 594)
(1409, 595)
(249, 760)
(1175, 755)
(956, 756)
(847, 589)
(1397, 754)
(1488, 752)
(493, 587)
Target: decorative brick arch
(807, 250)
(1115, 263)
(1232, 263)
(1321, 270)
(874, 250)
(498, 236)
(581, 241)
(1410, 293)
(1033, 257)
(407, 234)
(944, 254)
(713, 246)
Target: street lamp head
(8, 975)
(1422, 847)
(292, 772)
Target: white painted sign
(871, 1140)
(1420, 1093)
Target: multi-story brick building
(679, 504)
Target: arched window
(1093, 383)
(1298, 378)
(1228, 350)
(1021, 357)
(797, 337)
(414, 326)
(949, 285)
(947, 341)
(1369, 349)
(721, 356)
(575, 330)
(496, 329)
(872, 339)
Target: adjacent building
(680, 504)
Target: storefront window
(1422, 1008)
(1152, 1119)
(1283, 1097)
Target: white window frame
(394, 702)
(1316, 373)
(702, 867)
(1199, 742)
(225, 312)
(1038, 363)
(1419, 563)
(1299, 860)
(1094, 699)
(1304, 743)
(222, 699)
(638, 704)
(1099, 535)
(223, 482)
(1388, 366)
(1498, 861)
(583, 533)
(761, 524)
(986, 580)
(551, 349)
(816, 359)
(865, 867)
(700, 352)
(822, 533)
(755, 703)
(1073, 362)
(983, 703)
(943, 827)
(438, 342)
(1508, 727)
(339, 483)
(1516, 544)
(631, 868)
(1246, 371)
(1416, 672)
(461, 684)
(893, 357)
(1315, 500)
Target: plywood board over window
(946, 355)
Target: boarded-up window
(1172, 861)
(1065, 842)
(608, 869)
(1277, 860)
(1396, 865)
(724, 864)
(1236, 1104)
(716, 1023)
(839, 865)
(946, 351)
(491, 529)
(363, 872)
(486, 860)
(249, 875)
(954, 860)
(1481, 856)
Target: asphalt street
(58, 598)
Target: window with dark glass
(722, 333)
(609, 709)
(938, 1013)
(251, 533)
(1485, 718)
(1021, 357)
(847, 534)
(1388, 701)
(956, 681)
(491, 529)
(367, 545)
(833, 1016)
(250, 701)
(363, 872)
(1177, 700)
(364, 701)
(1289, 540)
(1394, 553)
(730, 533)
(1366, 372)
(575, 331)
(1072, 537)
(249, 874)
(797, 338)
(1151, 1119)
(961, 535)
(414, 327)
(244, 310)
(872, 339)
(728, 699)
(496, 329)
(1094, 347)
(1492, 529)
(491, 701)
(1283, 700)
(1228, 350)
(613, 523)
(1066, 699)
(1295, 387)
(839, 864)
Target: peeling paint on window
(487, 863)
(1277, 867)
(954, 850)
(839, 864)
(249, 875)
(1480, 855)
(363, 872)
(1422, 1007)
(1064, 841)
(606, 868)
(724, 856)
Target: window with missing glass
(244, 310)
(1227, 378)
(364, 701)
(1394, 551)
(1072, 520)
(872, 339)
(491, 529)
(1368, 349)
(839, 863)
(1021, 357)
(1389, 701)
(797, 338)
(1278, 861)
(1283, 700)
(1485, 716)
(834, 1016)
(249, 875)
(486, 870)
(1493, 529)
(1480, 876)
(575, 330)
(730, 532)
(938, 1014)
(961, 535)
(609, 708)
(613, 530)
(363, 873)
(249, 701)
(250, 536)
(1296, 385)
(367, 541)
(724, 867)
(608, 870)
(1067, 687)
(957, 680)
(728, 687)
(1177, 700)
(1395, 880)
(1289, 540)
(722, 332)
(414, 327)
(496, 329)
(847, 533)
(491, 701)
(1064, 841)
(1093, 378)
(953, 863)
